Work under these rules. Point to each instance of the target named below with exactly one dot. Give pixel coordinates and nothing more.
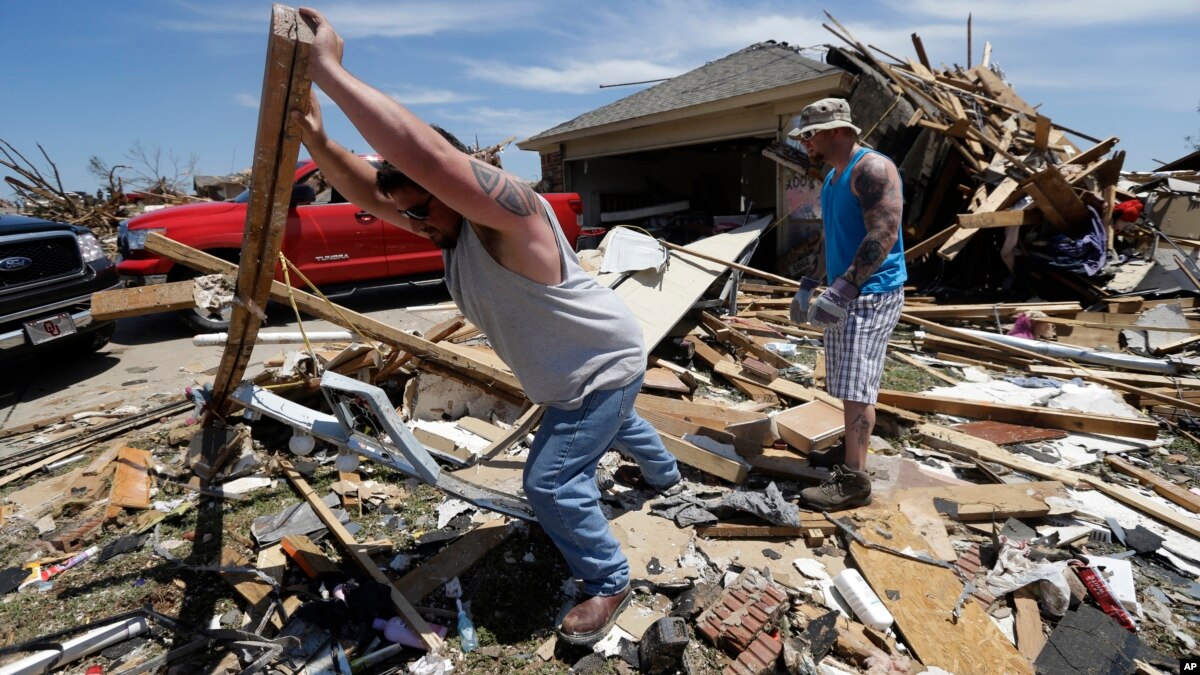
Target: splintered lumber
(1056, 199)
(1019, 414)
(1160, 485)
(254, 590)
(714, 358)
(931, 243)
(784, 464)
(277, 145)
(438, 333)
(323, 309)
(348, 544)
(131, 483)
(679, 427)
(946, 331)
(139, 300)
(1131, 378)
(520, 429)
(454, 559)
(922, 597)
(808, 521)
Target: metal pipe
(219, 339)
(1112, 359)
(72, 650)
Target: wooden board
(454, 559)
(944, 438)
(1056, 199)
(1028, 622)
(810, 426)
(286, 88)
(979, 221)
(921, 597)
(1032, 416)
(131, 484)
(695, 456)
(255, 591)
(714, 357)
(1183, 523)
(990, 501)
(1162, 486)
(706, 414)
(350, 546)
(139, 300)
(310, 559)
(480, 428)
(1003, 433)
(323, 309)
(1004, 310)
(664, 380)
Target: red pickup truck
(337, 245)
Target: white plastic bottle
(866, 605)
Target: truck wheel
(199, 319)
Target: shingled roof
(759, 67)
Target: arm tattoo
(879, 195)
(512, 200)
(513, 195)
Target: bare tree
(149, 169)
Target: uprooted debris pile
(1034, 475)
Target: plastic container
(866, 605)
(466, 630)
(396, 630)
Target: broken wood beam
(323, 309)
(139, 300)
(1000, 219)
(350, 546)
(454, 559)
(286, 88)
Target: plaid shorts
(855, 349)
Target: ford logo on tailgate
(14, 263)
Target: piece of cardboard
(811, 426)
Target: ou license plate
(50, 328)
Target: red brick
(777, 593)
(722, 612)
(742, 596)
(752, 623)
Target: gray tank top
(562, 342)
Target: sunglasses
(419, 212)
(807, 134)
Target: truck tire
(198, 319)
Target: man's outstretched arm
(483, 194)
(877, 185)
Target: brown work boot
(845, 489)
(591, 619)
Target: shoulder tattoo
(511, 194)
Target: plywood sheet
(644, 537)
(131, 485)
(998, 501)
(922, 597)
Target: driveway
(153, 354)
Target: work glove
(830, 309)
(798, 312)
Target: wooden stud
(139, 300)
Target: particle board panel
(1002, 433)
(922, 597)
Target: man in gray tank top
(572, 343)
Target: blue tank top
(845, 231)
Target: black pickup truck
(48, 272)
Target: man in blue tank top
(573, 344)
(861, 204)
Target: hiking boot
(828, 458)
(590, 620)
(845, 489)
(631, 476)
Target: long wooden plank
(922, 598)
(453, 560)
(1134, 499)
(322, 309)
(1028, 620)
(126, 302)
(946, 331)
(1160, 485)
(277, 145)
(1131, 378)
(714, 358)
(350, 546)
(706, 414)
(931, 243)
(1003, 310)
(1019, 414)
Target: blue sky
(94, 78)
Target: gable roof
(759, 67)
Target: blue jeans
(560, 480)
